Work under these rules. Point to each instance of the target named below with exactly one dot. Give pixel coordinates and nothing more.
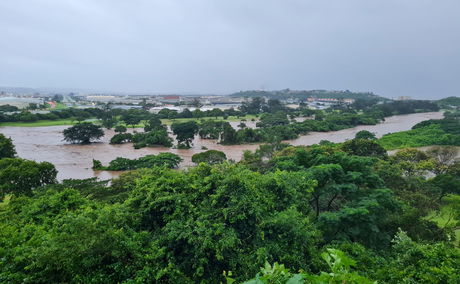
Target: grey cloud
(391, 47)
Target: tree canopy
(83, 133)
(7, 149)
(185, 132)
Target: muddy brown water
(75, 161)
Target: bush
(210, 157)
(168, 160)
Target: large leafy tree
(18, 176)
(7, 149)
(154, 123)
(223, 218)
(348, 199)
(210, 157)
(83, 133)
(364, 147)
(155, 137)
(185, 132)
(364, 134)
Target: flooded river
(75, 161)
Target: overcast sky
(390, 47)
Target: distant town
(154, 103)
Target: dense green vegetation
(7, 149)
(69, 113)
(430, 132)
(329, 213)
(83, 133)
(210, 157)
(449, 103)
(168, 160)
(8, 108)
(185, 133)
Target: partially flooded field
(75, 161)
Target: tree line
(276, 123)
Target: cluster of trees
(330, 213)
(210, 157)
(430, 132)
(276, 123)
(68, 113)
(19, 176)
(8, 108)
(449, 103)
(166, 159)
(406, 107)
(155, 134)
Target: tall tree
(7, 149)
(185, 132)
(20, 176)
(83, 133)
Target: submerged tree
(83, 133)
(210, 157)
(185, 132)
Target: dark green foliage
(18, 176)
(412, 262)
(273, 119)
(364, 134)
(405, 107)
(121, 138)
(97, 165)
(69, 113)
(228, 135)
(8, 108)
(217, 223)
(154, 123)
(450, 125)
(364, 147)
(236, 217)
(185, 132)
(254, 106)
(83, 133)
(156, 137)
(120, 128)
(61, 237)
(107, 117)
(210, 129)
(168, 160)
(134, 116)
(449, 102)
(420, 136)
(7, 149)
(210, 157)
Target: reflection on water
(75, 161)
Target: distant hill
(17, 90)
(40, 90)
(449, 102)
(303, 94)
